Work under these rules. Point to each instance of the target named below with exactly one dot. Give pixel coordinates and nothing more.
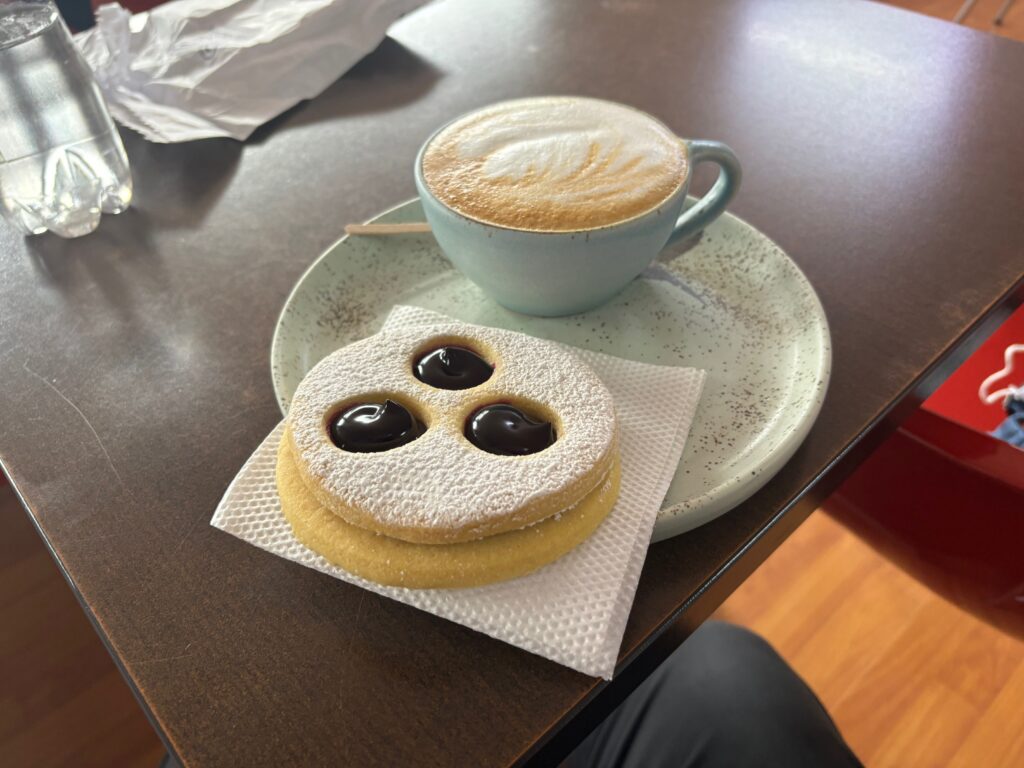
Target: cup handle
(709, 207)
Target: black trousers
(724, 699)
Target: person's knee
(703, 699)
(725, 667)
(724, 698)
(718, 639)
(739, 701)
(734, 672)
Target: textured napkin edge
(638, 556)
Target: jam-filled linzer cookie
(448, 456)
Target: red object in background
(944, 500)
(957, 398)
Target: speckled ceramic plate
(733, 304)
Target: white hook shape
(1007, 369)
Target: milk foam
(555, 164)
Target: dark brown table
(882, 150)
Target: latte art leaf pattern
(555, 164)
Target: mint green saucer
(734, 304)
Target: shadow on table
(388, 77)
(119, 253)
(179, 184)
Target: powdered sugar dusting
(440, 481)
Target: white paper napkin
(572, 611)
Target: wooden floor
(909, 679)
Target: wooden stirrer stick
(413, 227)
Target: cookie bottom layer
(394, 562)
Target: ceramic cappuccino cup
(552, 205)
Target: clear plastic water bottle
(62, 163)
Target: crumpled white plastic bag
(192, 69)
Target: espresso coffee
(554, 164)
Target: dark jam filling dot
(372, 427)
(507, 431)
(453, 367)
